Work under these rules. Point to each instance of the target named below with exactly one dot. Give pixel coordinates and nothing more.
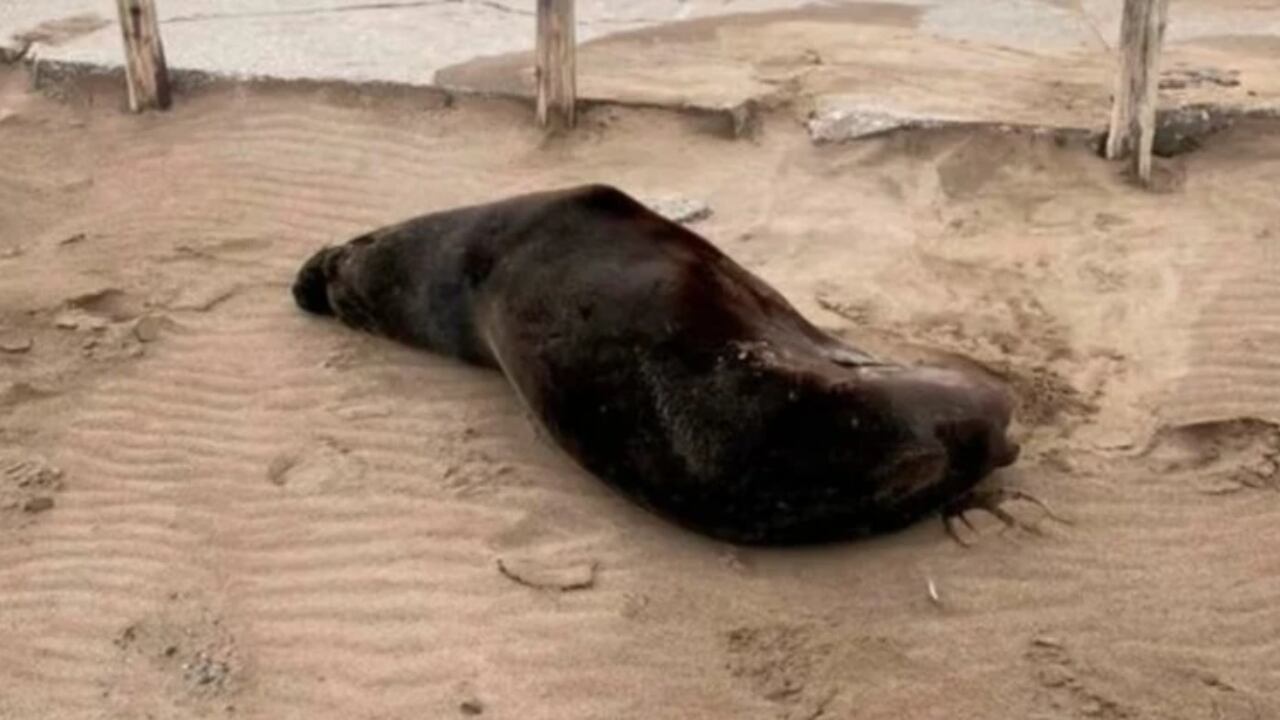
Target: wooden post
(145, 69)
(557, 64)
(1133, 114)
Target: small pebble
(681, 210)
(147, 328)
(471, 707)
(1047, 641)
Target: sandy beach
(214, 505)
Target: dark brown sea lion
(667, 369)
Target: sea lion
(668, 370)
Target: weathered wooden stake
(557, 64)
(1133, 114)
(148, 76)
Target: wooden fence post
(145, 68)
(1133, 113)
(557, 64)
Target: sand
(213, 505)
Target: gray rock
(840, 124)
(685, 211)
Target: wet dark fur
(667, 369)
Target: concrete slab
(401, 41)
(849, 67)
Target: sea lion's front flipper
(992, 500)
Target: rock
(838, 124)
(471, 707)
(575, 576)
(67, 321)
(685, 211)
(73, 239)
(1047, 641)
(1182, 130)
(147, 328)
(15, 342)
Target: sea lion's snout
(979, 442)
(1007, 452)
(976, 446)
(311, 286)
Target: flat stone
(147, 328)
(536, 574)
(842, 124)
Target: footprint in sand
(1221, 457)
(28, 484)
(323, 465)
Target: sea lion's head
(968, 413)
(311, 286)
